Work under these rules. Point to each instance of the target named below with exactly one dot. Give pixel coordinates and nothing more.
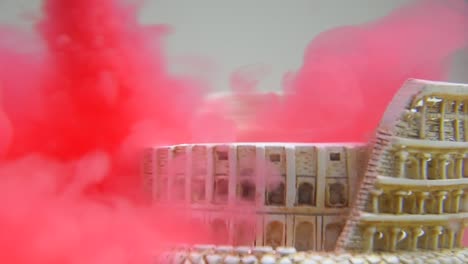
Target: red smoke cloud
(350, 74)
(77, 104)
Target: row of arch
(275, 195)
(440, 118)
(431, 166)
(412, 237)
(304, 237)
(418, 202)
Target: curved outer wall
(389, 213)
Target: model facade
(302, 192)
(406, 191)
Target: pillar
(393, 239)
(375, 195)
(465, 124)
(434, 234)
(450, 238)
(415, 233)
(442, 118)
(421, 202)
(209, 178)
(457, 121)
(232, 175)
(459, 165)
(188, 175)
(460, 234)
(456, 197)
(402, 156)
(399, 201)
(369, 234)
(443, 166)
(422, 121)
(425, 157)
(440, 198)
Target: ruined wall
(397, 175)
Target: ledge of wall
(209, 254)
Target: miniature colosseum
(406, 191)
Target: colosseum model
(398, 199)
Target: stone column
(399, 201)
(440, 198)
(443, 165)
(434, 234)
(460, 234)
(393, 239)
(456, 197)
(421, 202)
(441, 121)
(459, 165)
(368, 237)
(450, 238)
(402, 156)
(457, 121)
(415, 233)
(375, 195)
(425, 157)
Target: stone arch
(403, 240)
(304, 236)
(219, 231)
(247, 190)
(423, 239)
(450, 169)
(465, 167)
(432, 169)
(305, 194)
(244, 233)
(337, 194)
(380, 239)
(274, 234)
(412, 168)
(332, 232)
(386, 203)
(277, 194)
(221, 190)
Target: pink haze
(78, 103)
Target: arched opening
(178, 189)
(409, 204)
(379, 241)
(332, 232)
(304, 236)
(465, 167)
(337, 195)
(221, 190)
(162, 189)
(274, 234)
(423, 240)
(403, 240)
(450, 169)
(464, 201)
(386, 203)
(412, 168)
(247, 190)
(198, 190)
(276, 195)
(305, 194)
(219, 231)
(244, 233)
(432, 170)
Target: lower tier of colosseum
(209, 254)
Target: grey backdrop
(212, 38)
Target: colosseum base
(401, 198)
